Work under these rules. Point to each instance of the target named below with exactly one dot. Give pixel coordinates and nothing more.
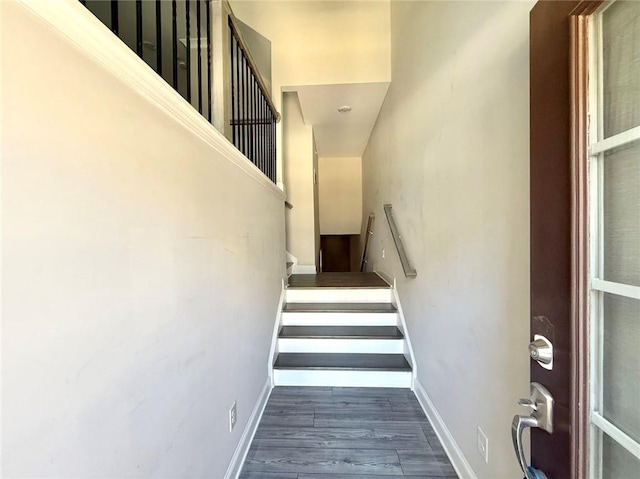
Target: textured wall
(450, 151)
(141, 275)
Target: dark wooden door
(336, 253)
(555, 125)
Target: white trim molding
(615, 141)
(620, 437)
(453, 451)
(403, 324)
(620, 289)
(274, 351)
(242, 449)
(304, 269)
(89, 35)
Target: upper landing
(337, 280)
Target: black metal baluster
(209, 99)
(240, 96)
(115, 21)
(253, 119)
(233, 87)
(273, 146)
(265, 110)
(174, 36)
(242, 105)
(188, 18)
(252, 154)
(256, 118)
(199, 50)
(259, 129)
(245, 107)
(262, 131)
(268, 118)
(139, 27)
(159, 37)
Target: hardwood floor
(345, 433)
(337, 280)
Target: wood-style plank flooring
(345, 433)
(337, 280)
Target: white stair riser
(355, 378)
(361, 346)
(339, 319)
(329, 295)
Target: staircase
(341, 329)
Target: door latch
(541, 350)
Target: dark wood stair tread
(342, 361)
(339, 308)
(337, 280)
(341, 332)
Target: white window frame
(598, 146)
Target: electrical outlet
(483, 445)
(383, 252)
(233, 417)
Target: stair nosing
(406, 367)
(340, 308)
(399, 336)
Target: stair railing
(367, 237)
(253, 114)
(409, 271)
(197, 47)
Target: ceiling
(339, 134)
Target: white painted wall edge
(273, 351)
(385, 277)
(242, 449)
(453, 451)
(405, 331)
(91, 36)
(304, 269)
(403, 323)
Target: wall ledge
(457, 458)
(89, 35)
(240, 454)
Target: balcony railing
(253, 116)
(196, 47)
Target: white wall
(340, 195)
(322, 42)
(298, 176)
(141, 275)
(450, 151)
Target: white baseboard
(240, 454)
(304, 269)
(458, 461)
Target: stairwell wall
(141, 271)
(299, 165)
(450, 152)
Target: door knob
(519, 424)
(541, 404)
